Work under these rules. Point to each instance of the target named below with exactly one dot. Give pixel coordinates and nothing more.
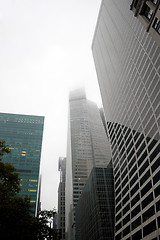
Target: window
(133, 180)
(151, 145)
(135, 189)
(149, 213)
(135, 200)
(136, 223)
(132, 162)
(151, 227)
(126, 219)
(125, 190)
(118, 226)
(156, 25)
(126, 209)
(143, 168)
(137, 235)
(118, 217)
(157, 191)
(135, 211)
(147, 200)
(118, 199)
(125, 199)
(158, 206)
(118, 237)
(146, 188)
(133, 171)
(156, 178)
(126, 231)
(142, 158)
(155, 165)
(146, 11)
(118, 207)
(125, 181)
(145, 178)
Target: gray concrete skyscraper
(88, 147)
(126, 50)
(61, 197)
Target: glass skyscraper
(127, 60)
(95, 208)
(88, 147)
(23, 134)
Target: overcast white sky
(45, 50)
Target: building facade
(95, 208)
(61, 197)
(23, 134)
(127, 60)
(88, 147)
(148, 12)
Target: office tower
(23, 134)
(88, 147)
(55, 222)
(127, 60)
(95, 208)
(61, 197)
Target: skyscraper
(61, 197)
(23, 134)
(88, 147)
(127, 60)
(95, 208)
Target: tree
(45, 220)
(15, 218)
(16, 221)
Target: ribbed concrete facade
(127, 60)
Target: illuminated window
(31, 190)
(33, 180)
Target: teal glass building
(23, 134)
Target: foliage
(3, 148)
(16, 221)
(45, 220)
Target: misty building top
(77, 94)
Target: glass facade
(127, 60)
(95, 208)
(88, 147)
(23, 134)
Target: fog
(45, 51)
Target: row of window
(149, 228)
(143, 191)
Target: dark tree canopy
(16, 221)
